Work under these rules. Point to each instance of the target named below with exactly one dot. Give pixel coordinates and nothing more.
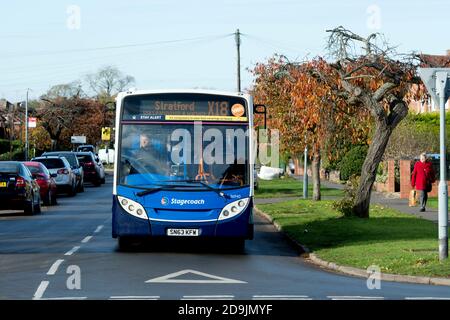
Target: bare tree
(373, 77)
(108, 81)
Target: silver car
(66, 181)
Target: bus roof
(201, 91)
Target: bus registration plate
(183, 232)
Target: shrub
(345, 205)
(17, 155)
(352, 162)
(4, 146)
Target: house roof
(434, 61)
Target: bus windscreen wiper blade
(218, 191)
(148, 191)
(164, 187)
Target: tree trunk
(54, 145)
(316, 175)
(369, 169)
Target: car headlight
(132, 207)
(234, 208)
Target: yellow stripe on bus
(210, 118)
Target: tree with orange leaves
(305, 108)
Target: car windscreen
(84, 158)
(34, 169)
(69, 156)
(6, 167)
(51, 163)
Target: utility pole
(305, 174)
(237, 37)
(26, 126)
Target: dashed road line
(134, 297)
(86, 239)
(281, 297)
(72, 251)
(99, 228)
(354, 298)
(55, 267)
(427, 298)
(40, 290)
(65, 298)
(209, 297)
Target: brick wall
(405, 178)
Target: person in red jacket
(422, 178)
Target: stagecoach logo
(164, 201)
(181, 202)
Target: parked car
(18, 189)
(45, 180)
(92, 168)
(75, 165)
(86, 148)
(66, 181)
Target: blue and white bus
(183, 165)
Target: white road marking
(85, 240)
(212, 279)
(134, 297)
(55, 267)
(40, 290)
(427, 298)
(210, 297)
(281, 297)
(99, 228)
(72, 251)
(65, 298)
(355, 298)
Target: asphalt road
(67, 252)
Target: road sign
(209, 278)
(78, 139)
(106, 134)
(437, 81)
(32, 122)
(431, 76)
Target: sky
(190, 44)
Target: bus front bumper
(126, 225)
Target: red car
(45, 181)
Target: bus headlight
(234, 208)
(132, 207)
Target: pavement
(67, 252)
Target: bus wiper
(218, 191)
(153, 190)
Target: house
(429, 61)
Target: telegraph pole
(26, 127)
(237, 37)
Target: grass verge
(398, 243)
(289, 187)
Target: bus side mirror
(261, 109)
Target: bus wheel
(124, 243)
(238, 245)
